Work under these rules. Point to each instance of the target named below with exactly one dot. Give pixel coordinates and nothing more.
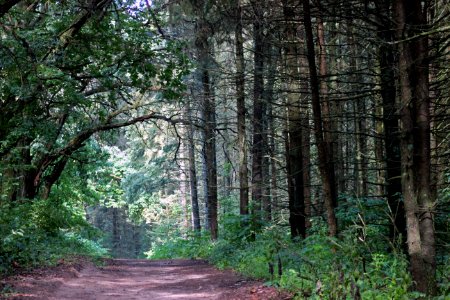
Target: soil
(134, 279)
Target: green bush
(38, 232)
(190, 246)
(318, 267)
(360, 262)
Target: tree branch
(96, 6)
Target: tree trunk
(258, 114)
(210, 154)
(377, 121)
(326, 174)
(209, 120)
(306, 154)
(294, 127)
(306, 134)
(339, 142)
(205, 182)
(326, 108)
(415, 142)
(387, 63)
(361, 161)
(241, 114)
(272, 59)
(193, 173)
(183, 186)
(273, 165)
(115, 239)
(136, 240)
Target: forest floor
(136, 279)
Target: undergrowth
(41, 232)
(358, 264)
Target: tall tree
(241, 112)
(203, 47)
(387, 61)
(359, 116)
(193, 182)
(269, 168)
(411, 21)
(294, 149)
(328, 134)
(326, 174)
(258, 110)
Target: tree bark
(326, 174)
(115, 239)
(272, 59)
(258, 115)
(193, 182)
(241, 114)
(273, 165)
(209, 120)
(210, 155)
(415, 142)
(387, 61)
(183, 185)
(294, 127)
(326, 107)
(358, 106)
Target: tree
(192, 171)
(327, 174)
(411, 20)
(258, 112)
(202, 45)
(241, 113)
(294, 147)
(74, 88)
(387, 60)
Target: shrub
(191, 246)
(41, 232)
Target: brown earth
(134, 279)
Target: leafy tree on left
(68, 71)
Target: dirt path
(140, 279)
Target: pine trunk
(258, 115)
(209, 124)
(393, 173)
(415, 143)
(241, 114)
(294, 127)
(326, 174)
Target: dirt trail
(141, 279)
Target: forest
(304, 143)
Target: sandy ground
(134, 279)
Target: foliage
(318, 267)
(192, 246)
(64, 80)
(70, 71)
(41, 232)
